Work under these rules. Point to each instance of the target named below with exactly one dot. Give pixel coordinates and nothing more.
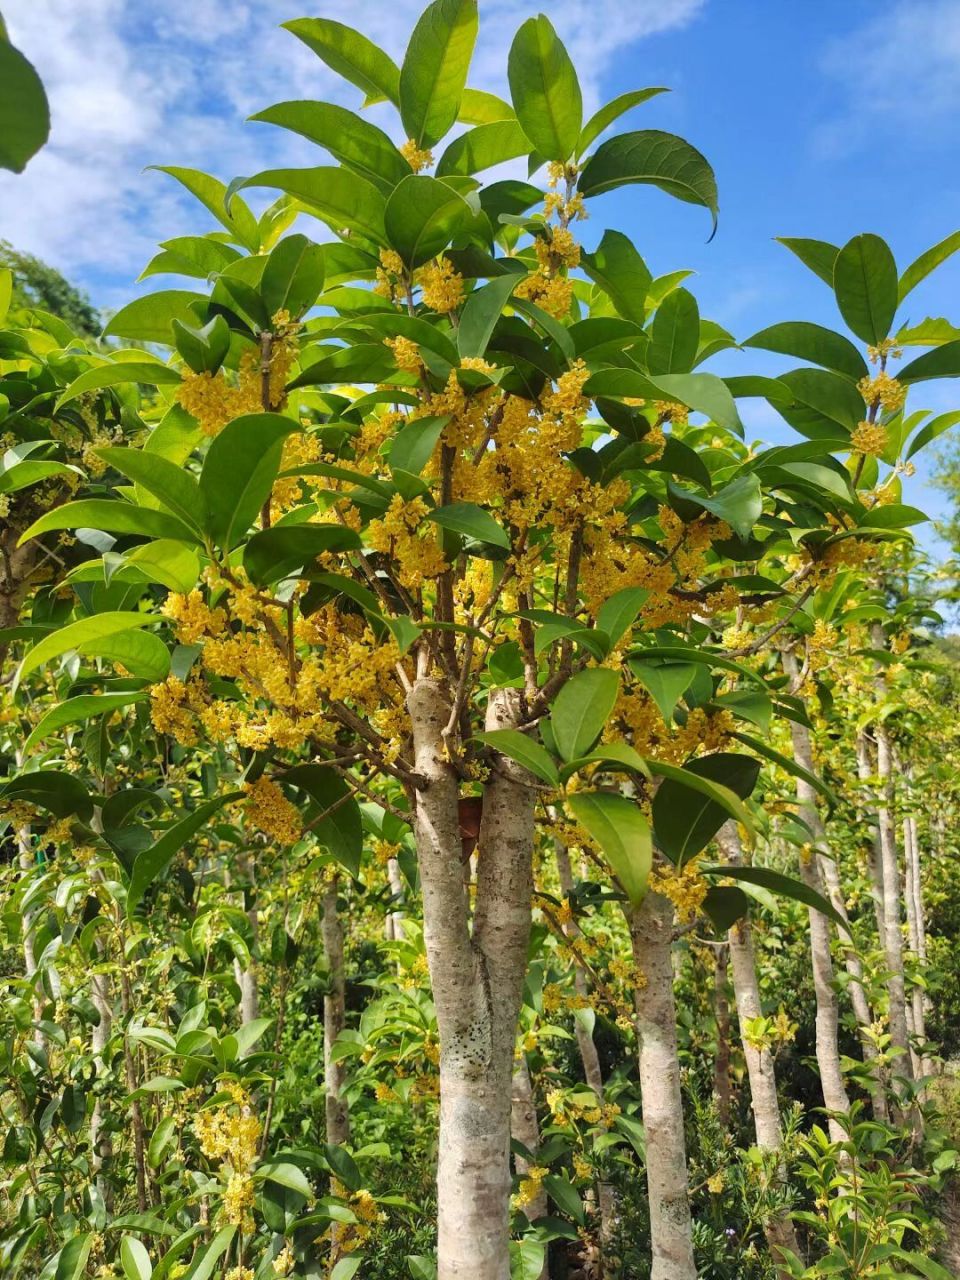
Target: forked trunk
(477, 979)
(671, 1230)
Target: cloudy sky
(821, 119)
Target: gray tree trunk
(334, 1018)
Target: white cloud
(132, 85)
(903, 65)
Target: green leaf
(293, 276)
(481, 311)
(230, 211)
(412, 447)
(705, 393)
(545, 90)
(355, 142)
(748, 704)
(206, 1261)
(619, 611)
(739, 503)
(338, 197)
(152, 862)
(111, 517)
(435, 67)
(725, 905)
(666, 682)
(340, 831)
(651, 156)
(142, 653)
(150, 373)
(167, 562)
(274, 553)
(814, 343)
(80, 636)
(930, 431)
(421, 218)
(788, 765)
(204, 348)
(865, 283)
(471, 521)
(605, 117)
(72, 1258)
(150, 318)
(239, 471)
(622, 833)
(421, 1268)
(784, 886)
(350, 55)
(582, 708)
(892, 516)
(708, 657)
(76, 710)
(684, 824)
(942, 362)
(522, 748)
(565, 1196)
(346, 1268)
(24, 112)
(617, 267)
(134, 1259)
(23, 474)
(175, 487)
(285, 1175)
(161, 1138)
(675, 334)
(483, 147)
(61, 793)
(928, 261)
(818, 255)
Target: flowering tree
(449, 551)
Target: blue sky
(821, 117)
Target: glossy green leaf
(524, 750)
(619, 612)
(581, 710)
(666, 682)
(481, 311)
(80, 636)
(818, 255)
(235, 215)
(154, 861)
(651, 156)
(471, 521)
(865, 284)
(413, 446)
(725, 904)
(141, 653)
(930, 430)
(24, 112)
(72, 1259)
(479, 107)
(134, 1259)
(338, 197)
(121, 373)
(351, 55)
(434, 71)
(238, 473)
(175, 487)
(150, 318)
(675, 335)
(545, 90)
(941, 362)
(208, 1257)
(422, 217)
(705, 393)
(340, 831)
(783, 886)
(685, 823)
(620, 271)
(483, 147)
(274, 553)
(928, 261)
(111, 517)
(293, 276)
(605, 117)
(814, 343)
(76, 710)
(355, 142)
(61, 793)
(622, 833)
(788, 765)
(205, 347)
(739, 503)
(285, 1175)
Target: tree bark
(334, 1018)
(477, 979)
(915, 933)
(525, 1130)
(865, 772)
(671, 1232)
(761, 1071)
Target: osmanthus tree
(472, 592)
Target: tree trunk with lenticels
(477, 978)
(668, 1191)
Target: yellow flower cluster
(441, 286)
(869, 437)
(416, 157)
(888, 347)
(232, 1136)
(530, 1187)
(411, 541)
(672, 411)
(884, 390)
(269, 810)
(406, 353)
(214, 401)
(193, 617)
(570, 1107)
(556, 998)
(684, 886)
(391, 275)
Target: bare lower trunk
(914, 902)
(525, 1130)
(827, 1017)
(395, 917)
(477, 979)
(764, 1102)
(721, 1011)
(671, 1233)
(865, 771)
(337, 1113)
(892, 925)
